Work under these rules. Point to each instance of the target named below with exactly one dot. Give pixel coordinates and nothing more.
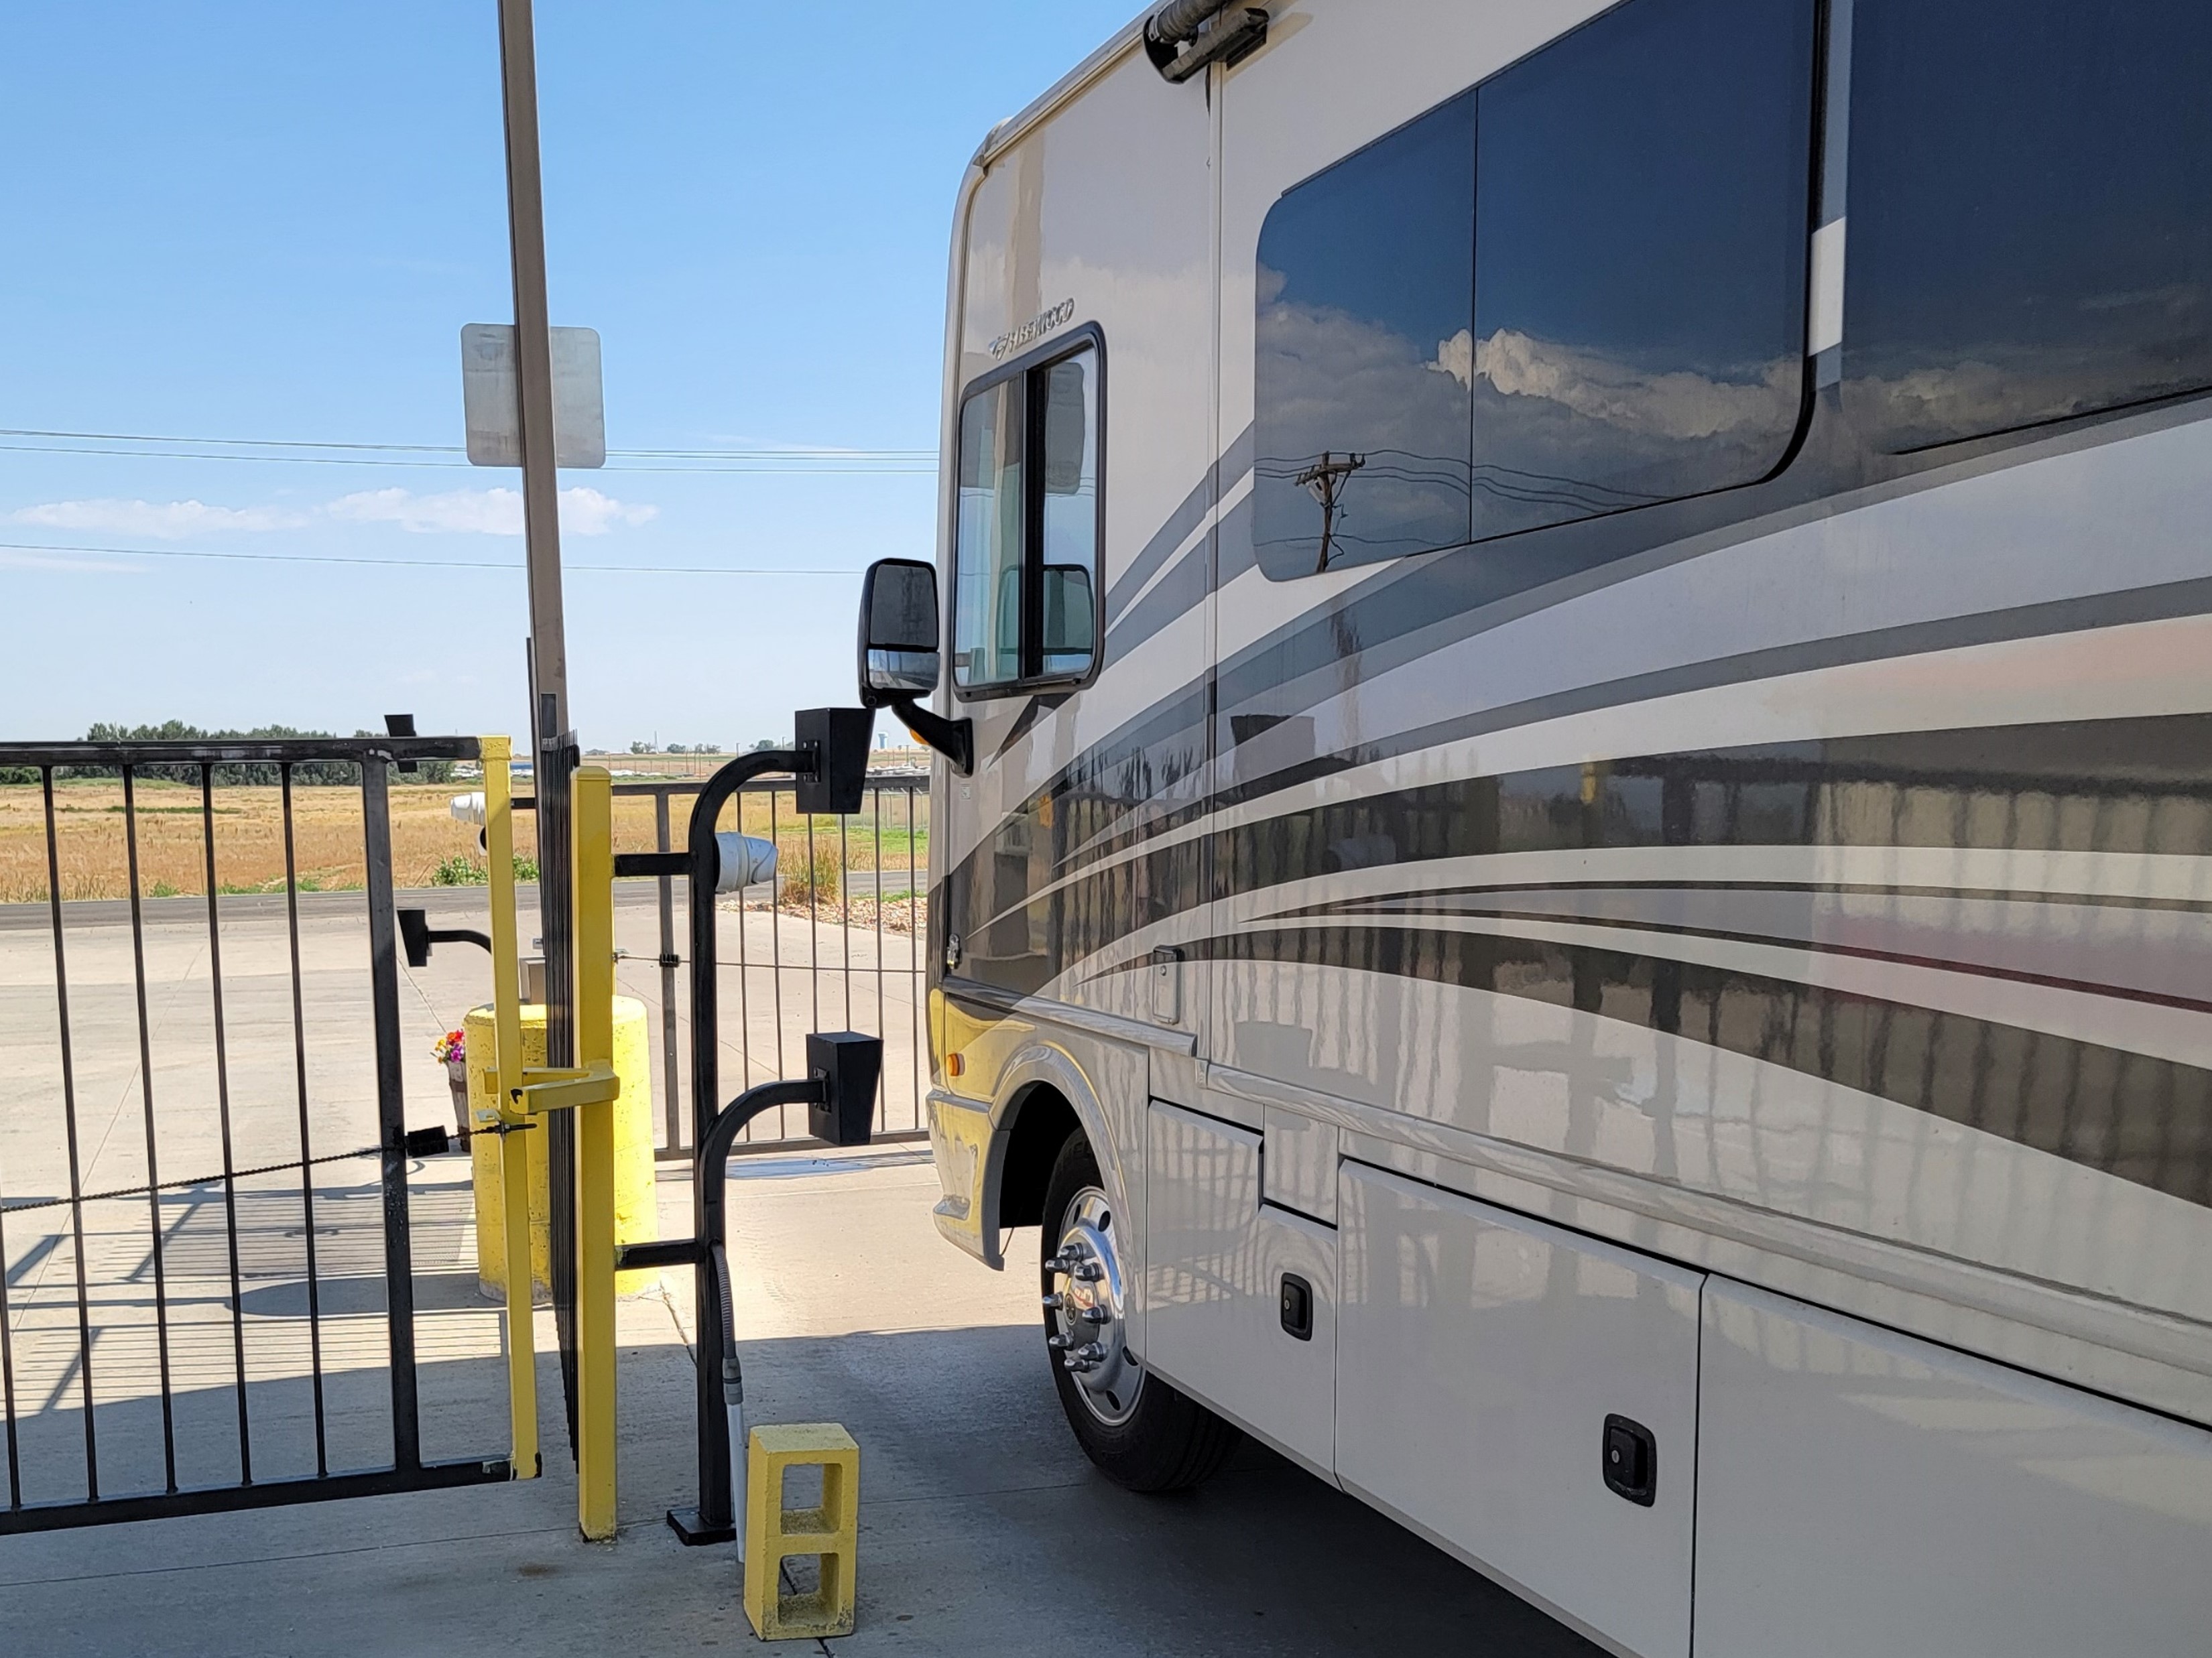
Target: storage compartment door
(1217, 1261)
(1861, 1493)
(1488, 1366)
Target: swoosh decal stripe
(2140, 1118)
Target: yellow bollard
(636, 1213)
(774, 1534)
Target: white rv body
(1750, 976)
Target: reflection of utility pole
(1324, 480)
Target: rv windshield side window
(2030, 223)
(1026, 536)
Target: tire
(1150, 1437)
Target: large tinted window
(1366, 278)
(1578, 288)
(1641, 219)
(2030, 225)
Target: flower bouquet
(451, 1050)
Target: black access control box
(847, 1064)
(837, 739)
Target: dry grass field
(93, 856)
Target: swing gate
(216, 1235)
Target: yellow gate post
(506, 1065)
(593, 809)
(589, 1088)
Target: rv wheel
(1139, 1431)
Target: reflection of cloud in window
(1996, 387)
(1678, 404)
(1332, 382)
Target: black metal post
(390, 1113)
(556, 760)
(670, 1066)
(711, 1522)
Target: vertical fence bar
(68, 1120)
(745, 991)
(222, 1115)
(146, 1110)
(391, 1113)
(813, 927)
(845, 912)
(670, 1069)
(918, 978)
(883, 1029)
(8, 1368)
(8, 1365)
(307, 1136)
(775, 950)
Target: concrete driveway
(983, 1530)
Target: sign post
(551, 718)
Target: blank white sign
(489, 402)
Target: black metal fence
(207, 1237)
(835, 942)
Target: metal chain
(454, 1140)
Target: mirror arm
(953, 739)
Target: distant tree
(234, 772)
(639, 747)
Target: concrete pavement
(983, 1531)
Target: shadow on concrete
(983, 1531)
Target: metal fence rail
(801, 960)
(182, 1349)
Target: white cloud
(585, 512)
(496, 511)
(467, 511)
(168, 520)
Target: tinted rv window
(2030, 227)
(1641, 219)
(1025, 537)
(1577, 288)
(987, 560)
(1366, 281)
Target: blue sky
(270, 221)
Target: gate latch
(563, 1088)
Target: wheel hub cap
(1086, 1309)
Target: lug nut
(1089, 1272)
(1057, 1341)
(1095, 1316)
(1053, 1303)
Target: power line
(794, 461)
(411, 563)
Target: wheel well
(1042, 1120)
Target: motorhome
(1572, 875)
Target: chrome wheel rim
(1086, 1303)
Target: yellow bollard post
(507, 1064)
(593, 863)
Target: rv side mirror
(899, 632)
(900, 654)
